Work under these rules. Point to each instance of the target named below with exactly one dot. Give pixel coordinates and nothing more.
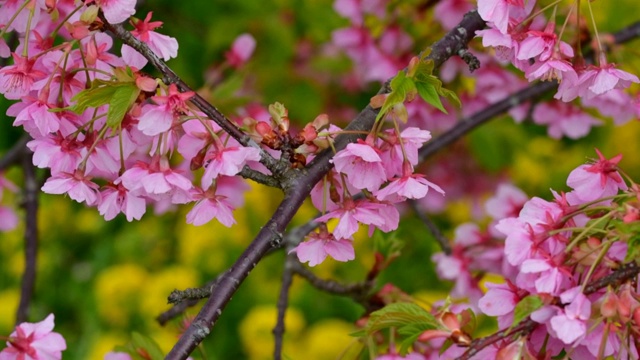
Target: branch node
(178, 296)
(469, 59)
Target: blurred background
(103, 280)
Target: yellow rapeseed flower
(256, 331)
(118, 291)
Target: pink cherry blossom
(449, 12)
(550, 277)
(8, 219)
(78, 186)
(320, 244)
(218, 201)
(500, 299)
(117, 199)
(538, 43)
(17, 80)
(113, 355)
(35, 117)
(164, 46)
(599, 180)
(353, 212)
(507, 202)
(56, 152)
(616, 104)
(409, 186)
(362, 165)
(371, 64)
(571, 323)
(564, 119)
(598, 80)
(117, 11)
(157, 180)
(392, 155)
(227, 161)
(241, 50)
(156, 119)
(499, 12)
(34, 341)
(208, 207)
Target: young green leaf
(525, 307)
(400, 86)
(399, 315)
(429, 94)
(121, 101)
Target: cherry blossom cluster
(34, 341)
(522, 37)
(68, 81)
(382, 168)
(552, 250)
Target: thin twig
(186, 302)
(358, 291)
(525, 327)
(283, 304)
(31, 191)
(442, 240)
(14, 155)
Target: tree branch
(30, 203)
(442, 240)
(297, 186)
(14, 155)
(283, 303)
(358, 291)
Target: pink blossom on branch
(17, 80)
(362, 165)
(241, 50)
(34, 341)
(78, 186)
(320, 244)
(117, 11)
(166, 47)
(599, 180)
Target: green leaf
(120, 103)
(411, 332)
(399, 315)
(149, 345)
(429, 94)
(387, 244)
(94, 96)
(525, 307)
(400, 86)
(451, 96)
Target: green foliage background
(104, 280)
